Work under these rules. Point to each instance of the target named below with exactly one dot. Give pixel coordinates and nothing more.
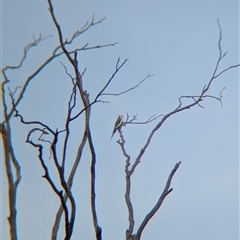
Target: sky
(177, 41)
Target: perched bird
(118, 124)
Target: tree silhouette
(54, 144)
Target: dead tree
(131, 166)
(49, 136)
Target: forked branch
(129, 89)
(196, 100)
(129, 169)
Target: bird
(118, 124)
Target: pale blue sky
(176, 41)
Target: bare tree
(50, 138)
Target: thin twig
(26, 50)
(129, 89)
(100, 93)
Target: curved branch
(26, 50)
(33, 122)
(130, 89)
(50, 181)
(165, 192)
(196, 101)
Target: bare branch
(226, 69)
(33, 122)
(196, 101)
(85, 27)
(59, 32)
(165, 192)
(14, 92)
(49, 179)
(26, 50)
(21, 117)
(128, 187)
(129, 170)
(85, 47)
(66, 71)
(85, 99)
(129, 89)
(54, 55)
(98, 230)
(195, 98)
(30, 77)
(77, 81)
(134, 118)
(68, 223)
(12, 166)
(112, 77)
(71, 105)
(84, 94)
(69, 184)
